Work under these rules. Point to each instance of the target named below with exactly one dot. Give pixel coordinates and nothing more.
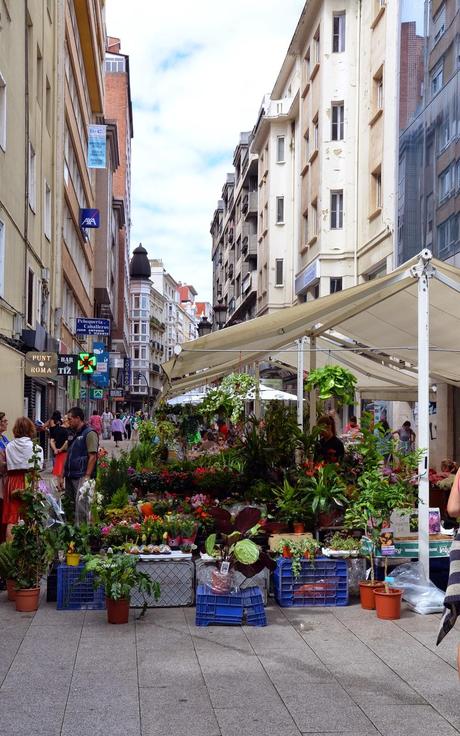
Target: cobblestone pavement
(310, 671)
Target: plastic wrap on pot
(356, 572)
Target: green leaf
(210, 544)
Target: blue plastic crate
(217, 608)
(322, 582)
(74, 594)
(253, 606)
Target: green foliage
(333, 381)
(291, 502)
(246, 551)
(340, 542)
(301, 549)
(28, 546)
(325, 488)
(118, 575)
(120, 498)
(6, 560)
(112, 477)
(141, 456)
(228, 399)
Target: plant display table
(176, 575)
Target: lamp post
(204, 327)
(140, 375)
(220, 313)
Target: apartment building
(234, 241)
(28, 199)
(118, 107)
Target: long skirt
(12, 503)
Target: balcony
(249, 204)
(249, 243)
(155, 368)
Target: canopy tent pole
(257, 390)
(313, 394)
(300, 363)
(423, 272)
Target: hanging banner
(96, 146)
(73, 389)
(102, 375)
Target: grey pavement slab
(310, 671)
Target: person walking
(135, 424)
(107, 418)
(59, 441)
(118, 430)
(127, 423)
(3, 443)
(19, 455)
(95, 422)
(80, 464)
(406, 436)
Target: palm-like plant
(324, 489)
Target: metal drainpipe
(26, 154)
(358, 112)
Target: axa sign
(89, 217)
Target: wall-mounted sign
(101, 376)
(41, 365)
(86, 363)
(307, 276)
(94, 393)
(89, 217)
(127, 373)
(67, 365)
(90, 326)
(97, 135)
(116, 393)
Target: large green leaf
(246, 552)
(210, 544)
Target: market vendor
(329, 448)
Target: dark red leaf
(246, 519)
(223, 520)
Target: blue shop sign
(90, 326)
(89, 217)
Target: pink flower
(105, 531)
(137, 527)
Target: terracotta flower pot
(275, 527)
(287, 554)
(11, 589)
(298, 527)
(117, 611)
(27, 599)
(366, 593)
(388, 605)
(72, 559)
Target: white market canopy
(408, 319)
(266, 393)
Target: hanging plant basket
(333, 382)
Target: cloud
(198, 74)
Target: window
(315, 133)
(439, 23)
(32, 180)
(307, 145)
(280, 149)
(30, 297)
(446, 182)
(39, 77)
(316, 47)
(337, 210)
(335, 285)
(48, 106)
(436, 77)
(2, 258)
(314, 218)
(376, 189)
(280, 210)
(47, 212)
(447, 237)
(2, 113)
(279, 277)
(338, 119)
(378, 90)
(306, 236)
(338, 33)
(443, 134)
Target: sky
(199, 71)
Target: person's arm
(53, 446)
(92, 458)
(453, 504)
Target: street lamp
(204, 326)
(140, 375)
(220, 313)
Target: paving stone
(175, 711)
(319, 707)
(410, 720)
(31, 712)
(256, 721)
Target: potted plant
(237, 551)
(376, 500)
(388, 602)
(333, 381)
(325, 493)
(29, 550)
(7, 569)
(118, 575)
(188, 531)
(340, 545)
(292, 506)
(296, 551)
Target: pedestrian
(127, 423)
(406, 436)
(107, 418)
(135, 425)
(59, 441)
(118, 429)
(95, 422)
(80, 464)
(3, 444)
(19, 455)
(329, 448)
